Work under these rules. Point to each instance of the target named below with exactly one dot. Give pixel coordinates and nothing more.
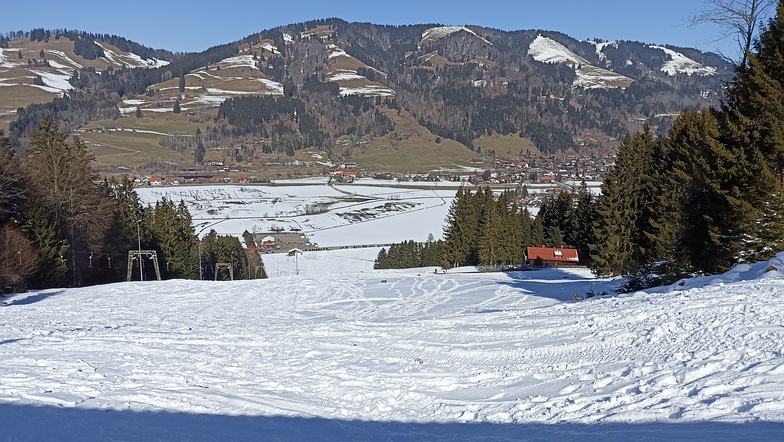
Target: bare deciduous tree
(738, 18)
(18, 259)
(63, 182)
(12, 189)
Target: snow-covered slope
(547, 50)
(211, 85)
(22, 62)
(397, 355)
(343, 70)
(434, 34)
(681, 64)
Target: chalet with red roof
(547, 257)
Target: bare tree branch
(740, 19)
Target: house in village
(547, 257)
(268, 243)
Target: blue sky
(196, 25)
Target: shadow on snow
(558, 284)
(31, 423)
(20, 299)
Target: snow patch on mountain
(130, 59)
(270, 47)
(55, 82)
(547, 50)
(238, 61)
(335, 51)
(345, 75)
(681, 64)
(600, 46)
(440, 32)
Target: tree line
(61, 225)
(706, 195)
(488, 230)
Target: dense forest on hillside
(460, 86)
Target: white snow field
(330, 215)
(400, 355)
(329, 349)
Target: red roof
(552, 254)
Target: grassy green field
(510, 146)
(410, 148)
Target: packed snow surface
(397, 355)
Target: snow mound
(741, 273)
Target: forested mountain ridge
(459, 82)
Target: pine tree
(381, 261)
(51, 249)
(459, 227)
(537, 232)
(63, 182)
(697, 215)
(625, 210)
(583, 219)
(752, 127)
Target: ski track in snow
(419, 350)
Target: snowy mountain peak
(681, 64)
(434, 34)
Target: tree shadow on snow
(559, 284)
(20, 299)
(51, 423)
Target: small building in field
(268, 242)
(547, 257)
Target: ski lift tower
(134, 254)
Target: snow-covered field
(343, 352)
(339, 215)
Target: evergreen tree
(176, 109)
(537, 232)
(583, 219)
(461, 222)
(51, 249)
(525, 225)
(621, 244)
(382, 261)
(752, 127)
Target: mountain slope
(37, 71)
(459, 83)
